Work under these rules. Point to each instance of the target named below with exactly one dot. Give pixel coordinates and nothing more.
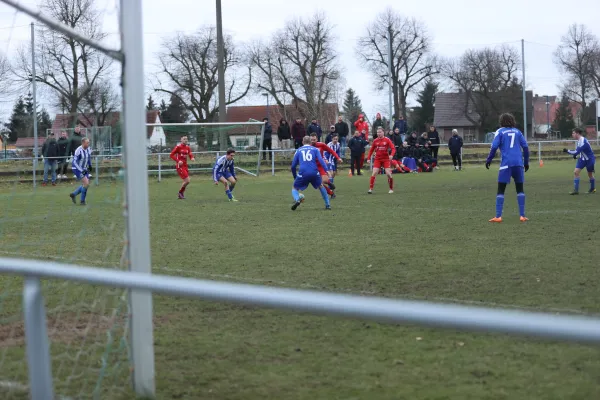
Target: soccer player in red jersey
(329, 187)
(180, 154)
(384, 152)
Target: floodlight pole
(524, 90)
(34, 94)
(136, 195)
(390, 103)
(221, 76)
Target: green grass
(429, 240)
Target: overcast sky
(454, 26)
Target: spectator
(63, 149)
(342, 129)
(298, 133)
(357, 152)
(396, 139)
(434, 139)
(284, 134)
(402, 126)
(424, 139)
(50, 154)
(412, 140)
(314, 127)
(362, 126)
(409, 156)
(75, 141)
(455, 145)
(267, 143)
(376, 124)
(329, 137)
(426, 162)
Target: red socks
(372, 183)
(391, 183)
(329, 191)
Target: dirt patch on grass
(69, 328)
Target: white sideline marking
(11, 385)
(178, 271)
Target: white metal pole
(524, 90)
(34, 93)
(390, 103)
(136, 193)
(221, 76)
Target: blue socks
(499, 205)
(324, 195)
(592, 183)
(576, 184)
(295, 195)
(229, 195)
(331, 180)
(78, 190)
(521, 201)
(83, 194)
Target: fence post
(96, 170)
(539, 152)
(272, 162)
(36, 339)
(159, 167)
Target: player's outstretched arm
(321, 160)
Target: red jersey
(324, 148)
(181, 153)
(362, 126)
(382, 147)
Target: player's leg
(79, 177)
(85, 183)
(503, 180)
(590, 171)
(232, 182)
(317, 183)
(298, 186)
(518, 175)
(376, 168)
(223, 180)
(576, 177)
(388, 172)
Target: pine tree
(425, 111)
(352, 106)
(151, 104)
(563, 120)
(175, 112)
(17, 124)
(45, 122)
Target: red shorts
(386, 164)
(321, 170)
(183, 172)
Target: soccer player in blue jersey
(81, 165)
(224, 172)
(307, 158)
(586, 160)
(513, 164)
(331, 159)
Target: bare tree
(100, 102)
(188, 68)
(488, 79)
(412, 58)
(577, 58)
(66, 66)
(299, 62)
(6, 81)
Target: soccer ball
(301, 196)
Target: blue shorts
(516, 173)
(587, 164)
(225, 175)
(302, 182)
(80, 175)
(332, 166)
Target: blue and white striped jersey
(223, 165)
(330, 158)
(583, 150)
(82, 159)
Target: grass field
(429, 240)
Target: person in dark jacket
(298, 133)
(357, 148)
(329, 137)
(424, 139)
(396, 139)
(267, 144)
(376, 124)
(314, 127)
(50, 154)
(434, 138)
(412, 140)
(284, 134)
(63, 149)
(342, 129)
(426, 162)
(455, 145)
(402, 126)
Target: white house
(156, 134)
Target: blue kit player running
(224, 172)
(513, 165)
(81, 165)
(307, 158)
(586, 160)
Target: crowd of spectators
(414, 152)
